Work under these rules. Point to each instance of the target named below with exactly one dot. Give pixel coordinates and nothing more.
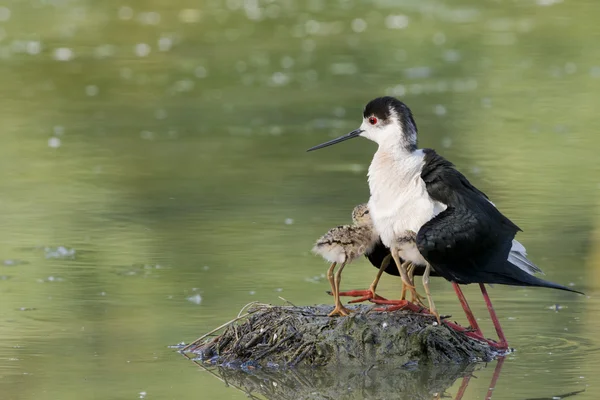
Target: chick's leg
(369, 294)
(432, 308)
(339, 308)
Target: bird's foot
(416, 297)
(397, 305)
(340, 310)
(477, 335)
(363, 295)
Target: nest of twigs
(290, 336)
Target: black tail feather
(512, 275)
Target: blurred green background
(154, 180)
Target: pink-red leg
(463, 387)
(363, 295)
(398, 305)
(503, 343)
(477, 333)
(495, 377)
(466, 308)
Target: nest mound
(291, 336)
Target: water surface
(153, 178)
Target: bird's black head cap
(388, 108)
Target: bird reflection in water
(424, 382)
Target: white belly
(399, 200)
(409, 251)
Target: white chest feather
(399, 199)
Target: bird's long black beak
(347, 136)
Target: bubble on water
(452, 56)
(289, 221)
(595, 72)
(125, 13)
(201, 72)
(4, 14)
(161, 113)
(486, 102)
(253, 10)
(196, 299)
(287, 62)
(234, 4)
(439, 38)
(548, 2)
(54, 142)
(252, 292)
(418, 72)
(165, 43)
(279, 79)
(570, 68)
(33, 47)
(240, 66)
(190, 15)
(142, 49)
(273, 11)
(104, 50)
(415, 88)
(347, 68)
(359, 25)
(142, 395)
(396, 21)
(311, 75)
(439, 110)
(147, 135)
(59, 252)
(126, 73)
(398, 91)
(63, 54)
(339, 112)
(149, 18)
(446, 142)
(184, 85)
(312, 27)
(91, 90)
(309, 45)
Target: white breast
(399, 199)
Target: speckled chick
(344, 244)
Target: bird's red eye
(372, 120)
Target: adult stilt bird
(460, 233)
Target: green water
(163, 143)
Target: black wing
(470, 228)
(469, 241)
